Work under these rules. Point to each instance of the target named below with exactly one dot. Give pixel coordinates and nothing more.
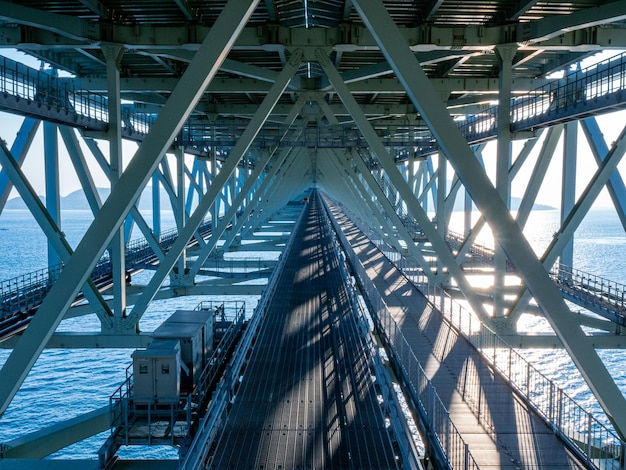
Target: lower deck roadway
(508, 434)
(306, 399)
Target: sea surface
(62, 385)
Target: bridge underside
(226, 111)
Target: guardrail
(403, 434)
(45, 89)
(448, 445)
(28, 290)
(596, 442)
(592, 290)
(594, 88)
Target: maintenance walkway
(40, 95)
(500, 429)
(307, 399)
(595, 293)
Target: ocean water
(61, 384)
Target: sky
(550, 193)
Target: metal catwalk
(501, 429)
(307, 399)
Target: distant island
(77, 201)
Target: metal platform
(307, 399)
(497, 425)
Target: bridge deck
(505, 433)
(307, 399)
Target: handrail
(595, 290)
(581, 430)
(48, 90)
(27, 290)
(450, 445)
(558, 100)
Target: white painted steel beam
(400, 184)
(278, 162)
(218, 231)
(381, 210)
(276, 165)
(19, 150)
(217, 184)
(44, 442)
(599, 149)
(568, 185)
(148, 233)
(575, 216)
(538, 174)
(81, 168)
(389, 212)
(505, 229)
(53, 233)
(113, 54)
(52, 184)
(178, 107)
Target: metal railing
(125, 411)
(449, 444)
(596, 442)
(592, 291)
(593, 88)
(28, 290)
(45, 89)
(579, 92)
(233, 314)
(235, 267)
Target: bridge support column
(156, 205)
(440, 207)
(568, 185)
(505, 53)
(51, 169)
(181, 217)
(113, 55)
(599, 149)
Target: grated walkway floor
(506, 434)
(307, 400)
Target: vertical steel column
(507, 232)
(51, 170)
(184, 97)
(505, 53)
(113, 55)
(181, 214)
(440, 207)
(568, 186)
(156, 205)
(538, 174)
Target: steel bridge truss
(240, 183)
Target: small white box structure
(156, 372)
(190, 336)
